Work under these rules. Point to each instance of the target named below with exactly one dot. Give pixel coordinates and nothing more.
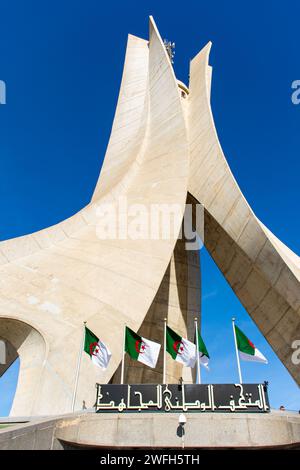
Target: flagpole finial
(233, 318)
(165, 319)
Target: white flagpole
(78, 367)
(123, 356)
(197, 352)
(237, 352)
(165, 352)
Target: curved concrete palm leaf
(261, 270)
(55, 279)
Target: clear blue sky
(62, 64)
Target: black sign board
(228, 398)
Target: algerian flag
(141, 349)
(96, 349)
(203, 353)
(181, 349)
(247, 350)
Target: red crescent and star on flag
(94, 349)
(178, 347)
(140, 346)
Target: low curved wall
(156, 430)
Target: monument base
(86, 430)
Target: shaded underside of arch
(25, 342)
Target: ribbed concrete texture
(177, 300)
(163, 149)
(155, 430)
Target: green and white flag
(247, 350)
(182, 350)
(141, 349)
(202, 351)
(96, 349)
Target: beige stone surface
(201, 430)
(163, 148)
(261, 270)
(53, 280)
(177, 300)
(110, 430)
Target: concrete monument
(163, 149)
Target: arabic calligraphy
(182, 397)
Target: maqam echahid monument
(163, 149)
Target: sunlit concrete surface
(133, 430)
